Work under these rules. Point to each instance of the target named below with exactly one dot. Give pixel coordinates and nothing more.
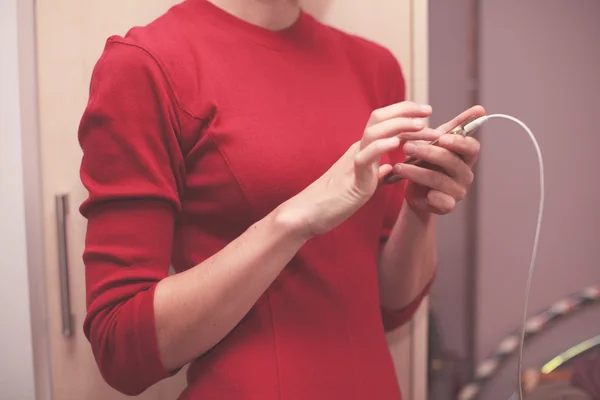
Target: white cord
(471, 127)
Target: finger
(372, 153)
(390, 127)
(432, 179)
(467, 147)
(404, 109)
(418, 142)
(437, 156)
(476, 111)
(440, 203)
(412, 159)
(384, 170)
(426, 134)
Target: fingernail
(426, 108)
(419, 124)
(410, 149)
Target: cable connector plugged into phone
(474, 125)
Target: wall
(16, 370)
(539, 61)
(449, 94)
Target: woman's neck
(270, 14)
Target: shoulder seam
(166, 75)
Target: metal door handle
(61, 202)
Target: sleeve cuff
(394, 319)
(149, 342)
(126, 348)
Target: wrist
(292, 222)
(418, 214)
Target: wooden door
(70, 38)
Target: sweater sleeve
(395, 319)
(131, 168)
(394, 89)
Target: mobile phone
(457, 130)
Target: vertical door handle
(61, 202)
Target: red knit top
(197, 126)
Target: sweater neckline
(297, 33)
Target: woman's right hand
(353, 179)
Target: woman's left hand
(445, 179)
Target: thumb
(364, 160)
(384, 170)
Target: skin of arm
(408, 260)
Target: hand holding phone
(438, 173)
(457, 130)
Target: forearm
(197, 308)
(408, 259)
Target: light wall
(16, 369)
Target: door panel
(70, 38)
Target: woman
(227, 138)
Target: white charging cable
(470, 128)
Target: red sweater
(197, 126)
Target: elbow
(125, 347)
(123, 379)
(117, 361)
